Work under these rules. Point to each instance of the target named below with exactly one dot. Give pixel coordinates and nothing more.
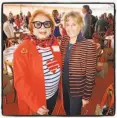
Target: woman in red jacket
(37, 67)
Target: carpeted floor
(98, 91)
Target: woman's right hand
(43, 111)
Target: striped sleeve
(90, 71)
(63, 41)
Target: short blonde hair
(37, 12)
(76, 15)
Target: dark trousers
(72, 105)
(51, 103)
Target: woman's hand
(43, 111)
(57, 24)
(84, 102)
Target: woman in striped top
(79, 65)
(37, 67)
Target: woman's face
(84, 11)
(72, 27)
(41, 26)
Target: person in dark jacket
(101, 28)
(57, 19)
(93, 22)
(4, 36)
(28, 18)
(101, 24)
(87, 22)
(79, 65)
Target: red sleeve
(22, 87)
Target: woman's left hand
(84, 102)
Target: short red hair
(37, 12)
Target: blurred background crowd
(102, 23)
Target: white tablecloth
(111, 37)
(23, 30)
(8, 55)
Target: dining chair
(8, 86)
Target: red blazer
(29, 77)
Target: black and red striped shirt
(82, 67)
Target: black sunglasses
(38, 24)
